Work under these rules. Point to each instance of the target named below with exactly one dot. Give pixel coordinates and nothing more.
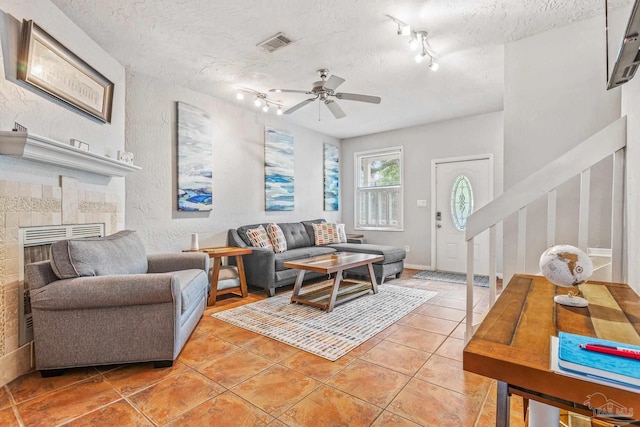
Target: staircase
(579, 161)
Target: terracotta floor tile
(175, 395)
(33, 385)
(67, 403)
(488, 414)
(445, 301)
(200, 348)
(236, 335)
(235, 367)
(212, 326)
(314, 366)
(8, 418)
(388, 419)
(364, 347)
(441, 312)
(388, 331)
(129, 379)
(276, 389)
(459, 331)
(119, 413)
(276, 423)
(430, 405)
(431, 324)
(224, 410)
(330, 407)
(370, 382)
(397, 357)
(417, 338)
(451, 348)
(270, 348)
(5, 399)
(448, 373)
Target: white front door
(462, 187)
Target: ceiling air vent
(275, 42)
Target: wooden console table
(512, 345)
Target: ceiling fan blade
(289, 91)
(300, 105)
(358, 97)
(335, 109)
(333, 83)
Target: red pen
(614, 351)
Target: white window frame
(357, 157)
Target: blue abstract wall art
(331, 177)
(278, 170)
(195, 159)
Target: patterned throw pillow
(259, 238)
(342, 234)
(326, 234)
(277, 238)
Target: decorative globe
(565, 265)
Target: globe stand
(572, 299)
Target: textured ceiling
(210, 46)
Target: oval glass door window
(461, 202)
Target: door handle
(439, 226)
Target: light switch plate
(422, 203)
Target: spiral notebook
(609, 368)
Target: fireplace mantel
(45, 150)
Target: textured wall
(29, 191)
(555, 97)
(238, 167)
(480, 134)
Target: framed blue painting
(195, 159)
(278, 170)
(331, 177)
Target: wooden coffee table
(341, 290)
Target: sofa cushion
(119, 253)
(391, 253)
(277, 238)
(325, 234)
(301, 253)
(259, 238)
(295, 234)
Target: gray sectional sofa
(264, 268)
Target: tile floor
(409, 374)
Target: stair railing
(610, 141)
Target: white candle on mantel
(194, 242)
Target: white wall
(42, 114)
(238, 170)
(480, 134)
(631, 108)
(555, 97)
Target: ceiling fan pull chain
(319, 112)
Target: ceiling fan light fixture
(404, 29)
(257, 102)
(414, 43)
(433, 65)
(239, 96)
(265, 107)
(279, 111)
(420, 57)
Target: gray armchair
(101, 301)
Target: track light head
(434, 65)
(239, 96)
(420, 57)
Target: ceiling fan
(323, 90)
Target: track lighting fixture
(260, 100)
(418, 40)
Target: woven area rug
(443, 276)
(328, 335)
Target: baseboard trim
(603, 252)
(418, 266)
(16, 364)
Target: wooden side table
(216, 254)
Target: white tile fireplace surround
(26, 205)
